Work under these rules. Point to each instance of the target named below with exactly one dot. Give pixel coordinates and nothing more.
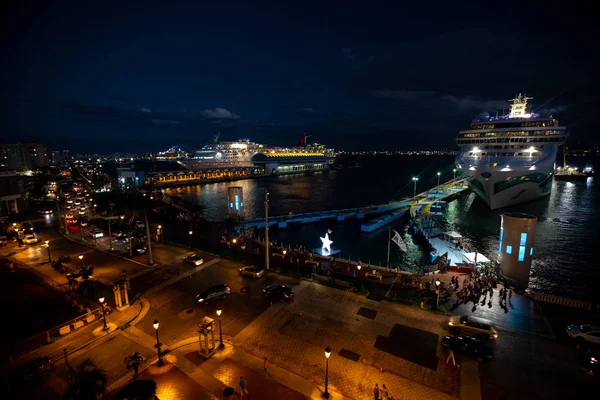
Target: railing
(61, 287)
(563, 301)
(18, 350)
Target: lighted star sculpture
(326, 243)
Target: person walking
(266, 363)
(384, 392)
(243, 388)
(376, 392)
(509, 296)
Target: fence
(24, 347)
(563, 301)
(61, 287)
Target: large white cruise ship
(510, 159)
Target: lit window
(230, 205)
(531, 251)
(521, 253)
(508, 249)
(523, 239)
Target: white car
(30, 239)
(251, 270)
(194, 259)
(586, 333)
(96, 234)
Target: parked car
(32, 373)
(473, 325)
(30, 239)
(121, 238)
(468, 345)
(251, 270)
(138, 249)
(194, 259)
(45, 211)
(584, 333)
(215, 292)
(96, 233)
(69, 216)
(278, 292)
(84, 222)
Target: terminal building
(279, 163)
(515, 250)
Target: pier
(385, 213)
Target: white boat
(510, 159)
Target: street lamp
(454, 171)
(48, 247)
(437, 292)
(327, 354)
(438, 178)
(81, 259)
(234, 240)
(162, 233)
(103, 312)
(158, 344)
(190, 232)
(221, 345)
(415, 179)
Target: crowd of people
(478, 287)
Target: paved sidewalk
(260, 385)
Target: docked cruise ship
(510, 159)
(240, 153)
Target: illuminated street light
(359, 267)
(221, 345)
(437, 292)
(234, 240)
(454, 171)
(103, 312)
(438, 174)
(284, 252)
(327, 354)
(158, 344)
(81, 259)
(48, 247)
(415, 186)
(190, 232)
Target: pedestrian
(376, 392)
(243, 388)
(509, 296)
(384, 392)
(266, 363)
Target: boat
(510, 159)
(219, 154)
(572, 174)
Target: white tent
(480, 257)
(453, 234)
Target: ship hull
(499, 189)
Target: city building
(12, 193)
(23, 156)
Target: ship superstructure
(510, 159)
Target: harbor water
(565, 261)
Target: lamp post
(158, 344)
(48, 247)
(437, 292)
(221, 345)
(454, 171)
(190, 233)
(161, 233)
(103, 312)
(438, 178)
(327, 354)
(81, 259)
(415, 179)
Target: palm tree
(87, 381)
(134, 361)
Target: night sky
(101, 76)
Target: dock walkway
(386, 213)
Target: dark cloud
(219, 113)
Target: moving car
(251, 270)
(215, 292)
(30, 239)
(96, 233)
(473, 325)
(194, 259)
(584, 333)
(84, 222)
(590, 359)
(278, 292)
(138, 249)
(45, 211)
(121, 238)
(32, 373)
(468, 345)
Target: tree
(87, 381)
(134, 361)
